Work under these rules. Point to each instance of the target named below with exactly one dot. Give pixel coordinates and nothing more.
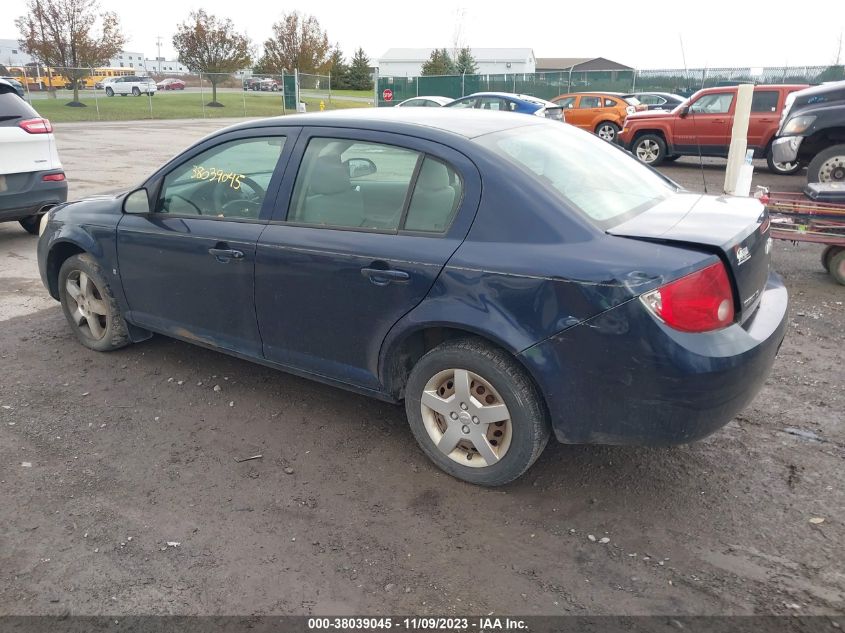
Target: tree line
(77, 34)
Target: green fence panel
(289, 92)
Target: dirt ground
(121, 493)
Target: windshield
(596, 178)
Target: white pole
(739, 143)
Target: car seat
(331, 199)
(433, 200)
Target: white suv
(31, 176)
(131, 85)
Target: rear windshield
(13, 108)
(594, 177)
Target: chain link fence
(118, 94)
(548, 85)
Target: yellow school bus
(42, 77)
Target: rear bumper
(625, 378)
(785, 149)
(32, 195)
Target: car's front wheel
(607, 130)
(136, 92)
(89, 305)
(782, 169)
(109, 92)
(30, 224)
(475, 412)
(649, 149)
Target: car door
(765, 114)
(187, 268)
(587, 112)
(707, 125)
(371, 220)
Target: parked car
(250, 82)
(599, 112)
(812, 132)
(582, 294)
(170, 83)
(509, 102)
(268, 84)
(130, 85)
(424, 102)
(657, 100)
(18, 86)
(703, 125)
(31, 176)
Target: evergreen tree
(465, 62)
(440, 63)
(359, 71)
(338, 69)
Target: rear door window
(765, 101)
(436, 196)
(590, 102)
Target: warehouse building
(407, 62)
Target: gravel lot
(105, 458)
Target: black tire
(136, 92)
(837, 267)
(835, 153)
(788, 168)
(115, 334)
(671, 158)
(109, 92)
(607, 131)
(529, 422)
(649, 145)
(30, 224)
(828, 253)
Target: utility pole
(158, 56)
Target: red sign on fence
(387, 94)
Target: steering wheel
(243, 204)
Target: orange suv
(599, 112)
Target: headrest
(330, 176)
(433, 175)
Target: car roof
(412, 121)
(821, 89)
(654, 92)
(5, 86)
(756, 87)
(591, 94)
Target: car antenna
(692, 113)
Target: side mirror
(137, 202)
(684, 111)
(360, 167)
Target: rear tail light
(36, 126)
(53, 177)
(630, 109)
(700, 302)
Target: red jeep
(703, 124)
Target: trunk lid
(736, 229)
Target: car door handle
(224, 255)
(382, 277)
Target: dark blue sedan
(506, 277)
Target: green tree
(360, 75)
(439, 63)
(465, 62)
(338, 68)
(62, 33)
(208, 44)
(298, 43)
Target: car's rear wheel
(109, 92)
(649, 149)
(607, 130)
(828, 253)
(475, 412)
(136, 92)
(30, 224)
(89, 305)
(828, 165)
(783, 169)
(837, 266)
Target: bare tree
(208, 44)
(62, 33)
(299, 43)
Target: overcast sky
(643, 34)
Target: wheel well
(659, 133)
(406, 352)
(56, 257)
(603, 121)
(821, 140)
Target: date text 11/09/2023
(479, 624)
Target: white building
(11, 54)
(161, 66)
(407, 62)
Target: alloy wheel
(607, 132)
(648, 151)
(466, 418)
(91, 312)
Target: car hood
(101, 204)
(650, 114)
